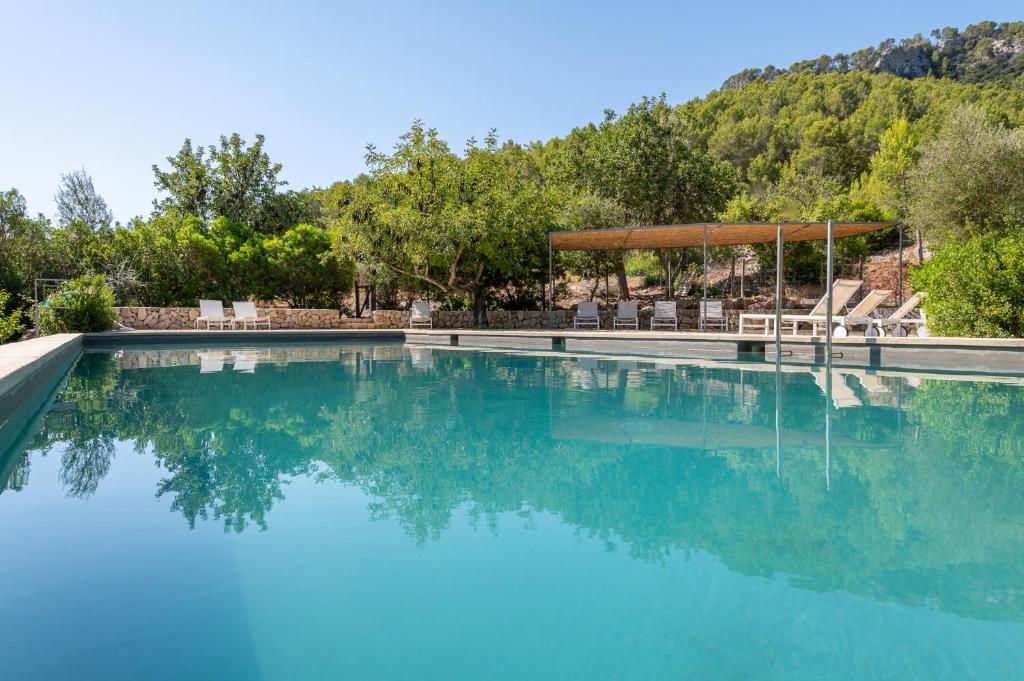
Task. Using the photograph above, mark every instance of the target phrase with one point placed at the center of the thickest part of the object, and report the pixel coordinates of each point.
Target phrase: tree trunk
(732, 277)
(620, 272)
(479, 306)
(920, 249)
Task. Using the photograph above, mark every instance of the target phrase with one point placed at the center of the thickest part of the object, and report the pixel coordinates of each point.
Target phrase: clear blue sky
(117, 87)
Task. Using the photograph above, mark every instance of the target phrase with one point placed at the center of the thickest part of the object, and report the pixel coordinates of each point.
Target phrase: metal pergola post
(551, 280)
(899, 280)
(704, 303)
(778, 295)
(828, 312)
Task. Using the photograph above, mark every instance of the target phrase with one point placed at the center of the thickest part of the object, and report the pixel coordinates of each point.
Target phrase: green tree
(304, 270)
(975, 286)
(648, 162)
(24, 247)
(12, 321)
(81, 305)
(78, 201)
(188, 183)
(244, 181)
(968, 178)
(887, 182)
(230, 179)
(460, 225)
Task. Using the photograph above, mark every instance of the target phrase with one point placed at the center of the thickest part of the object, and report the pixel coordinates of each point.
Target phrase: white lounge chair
(842, 291)
(904, 316)
(712, 315)
(246, 314)
(212, 312)
(627, 316)
(665, 315)
(586, 315)
(421, 316)
(861, 315)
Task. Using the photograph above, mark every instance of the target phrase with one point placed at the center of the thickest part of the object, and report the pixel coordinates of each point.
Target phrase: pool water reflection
(387, 511)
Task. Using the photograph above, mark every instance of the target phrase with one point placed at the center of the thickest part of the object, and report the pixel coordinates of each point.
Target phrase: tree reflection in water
(925, 474)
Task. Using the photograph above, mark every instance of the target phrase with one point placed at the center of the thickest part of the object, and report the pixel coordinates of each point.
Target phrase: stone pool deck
(27, 370)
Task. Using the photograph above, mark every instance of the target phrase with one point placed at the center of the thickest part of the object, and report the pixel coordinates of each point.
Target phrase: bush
(82, 305)
(975, 287)
(11, 323)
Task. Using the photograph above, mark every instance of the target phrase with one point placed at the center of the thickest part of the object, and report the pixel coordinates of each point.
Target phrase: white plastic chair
(420, 316)
(586, 315)
(212, 312)
(712, 316)
(246, 313)
(627, 316)
(665, 315)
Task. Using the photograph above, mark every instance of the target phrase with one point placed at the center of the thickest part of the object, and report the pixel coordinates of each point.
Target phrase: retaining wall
(160, 318)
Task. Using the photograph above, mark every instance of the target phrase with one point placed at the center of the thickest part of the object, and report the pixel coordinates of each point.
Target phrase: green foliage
(82, 305)
(969, 178)
(78, 201)
(304, 271)
(229, 179)
(969, 56)
(648, 162)
(975, 287)
(887, 181)
(12, 321)
(831, 123)
(462, 225)
(23, 245)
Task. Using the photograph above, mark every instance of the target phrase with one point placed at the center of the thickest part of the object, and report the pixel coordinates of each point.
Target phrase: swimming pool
(380, 510)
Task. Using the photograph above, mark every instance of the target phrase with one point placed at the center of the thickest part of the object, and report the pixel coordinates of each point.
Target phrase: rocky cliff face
(905, 61)
(983, 52)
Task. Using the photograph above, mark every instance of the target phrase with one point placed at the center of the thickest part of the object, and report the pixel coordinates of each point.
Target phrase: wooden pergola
(711, 234)
(721, 234)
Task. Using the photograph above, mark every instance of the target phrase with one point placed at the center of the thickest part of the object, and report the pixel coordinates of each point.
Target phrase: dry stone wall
(146, 318)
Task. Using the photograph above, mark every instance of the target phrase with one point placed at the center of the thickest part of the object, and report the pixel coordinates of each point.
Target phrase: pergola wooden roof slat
(718, 234)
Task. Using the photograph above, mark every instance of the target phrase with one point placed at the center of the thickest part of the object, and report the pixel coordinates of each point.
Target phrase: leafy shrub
(975, 287)
(85, 305)
(11, 323)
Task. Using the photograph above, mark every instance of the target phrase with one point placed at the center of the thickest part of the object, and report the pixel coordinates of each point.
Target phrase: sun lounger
(665, 315)
(627, 316)
(861, 315)
(246, 314)
(586, 315)
(904, 316)
(842, 291)
(420, 316)
(212, 312)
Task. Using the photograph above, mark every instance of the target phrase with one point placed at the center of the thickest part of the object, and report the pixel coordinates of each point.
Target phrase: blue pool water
(387, 512)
